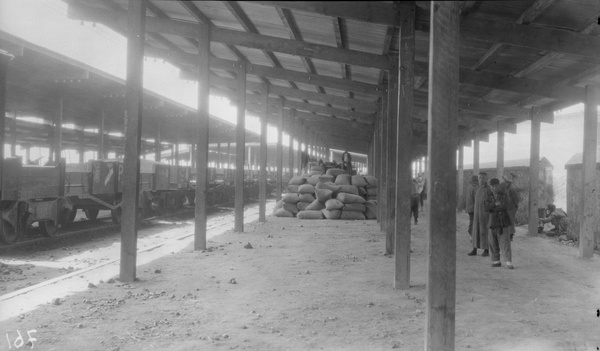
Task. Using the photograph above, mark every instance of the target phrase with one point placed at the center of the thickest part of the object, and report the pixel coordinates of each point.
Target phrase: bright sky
(45, 23)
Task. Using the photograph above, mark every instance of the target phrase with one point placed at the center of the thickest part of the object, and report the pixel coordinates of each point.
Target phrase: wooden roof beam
(233, 37)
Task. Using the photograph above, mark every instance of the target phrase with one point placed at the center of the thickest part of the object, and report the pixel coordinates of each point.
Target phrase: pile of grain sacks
(334, 195)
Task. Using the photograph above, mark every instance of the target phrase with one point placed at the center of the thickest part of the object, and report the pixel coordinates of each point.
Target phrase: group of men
(492, 209)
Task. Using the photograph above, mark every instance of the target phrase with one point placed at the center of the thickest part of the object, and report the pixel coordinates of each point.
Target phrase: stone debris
(248, 246)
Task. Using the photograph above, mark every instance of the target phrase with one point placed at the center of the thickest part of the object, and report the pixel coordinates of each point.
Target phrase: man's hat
(509, 177)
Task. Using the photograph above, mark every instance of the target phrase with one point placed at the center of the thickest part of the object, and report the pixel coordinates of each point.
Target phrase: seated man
(558, 218)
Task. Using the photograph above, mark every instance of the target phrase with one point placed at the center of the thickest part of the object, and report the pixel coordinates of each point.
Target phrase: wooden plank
(133, 121)
(372, 12)
(488, 56)
(534, 172)
(537, 37)
(533, 11)
(392, 123)
(234, 37)
(101, 132)
(58, 119)
(262, 175)
(240, 149)
(202, 127)
(500, 153)
(81, 145)
(404, 149)
(442, 140)
(383, 180)
(301, 140)
(279, 156)
(460, 177)
(157, 145)
(587, 225)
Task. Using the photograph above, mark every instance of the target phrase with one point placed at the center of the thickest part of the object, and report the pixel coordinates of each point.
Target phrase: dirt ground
(324, 285)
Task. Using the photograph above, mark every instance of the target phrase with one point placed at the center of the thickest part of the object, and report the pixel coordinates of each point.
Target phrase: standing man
(414, 200)
(422, 188)
(513, 201)
(481, 218)
(471, 190)
(499, 238)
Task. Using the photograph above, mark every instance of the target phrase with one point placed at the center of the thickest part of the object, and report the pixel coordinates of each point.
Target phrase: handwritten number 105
(19, 342)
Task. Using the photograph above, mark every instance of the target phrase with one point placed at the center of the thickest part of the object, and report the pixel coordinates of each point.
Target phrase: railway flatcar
(31, 194)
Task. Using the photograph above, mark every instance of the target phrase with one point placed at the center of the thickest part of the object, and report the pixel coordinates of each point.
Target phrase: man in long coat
(481, 218)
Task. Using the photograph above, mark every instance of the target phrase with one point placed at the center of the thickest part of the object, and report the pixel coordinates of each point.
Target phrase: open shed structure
(394, 80)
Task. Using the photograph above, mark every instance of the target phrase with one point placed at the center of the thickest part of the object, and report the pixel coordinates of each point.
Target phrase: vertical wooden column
(136, 17)
(13, 135)
(193, 157)
(101, 132)
(461, 176)
(202, 129)
(404, 141)
(534, 172)
(157, 142)
(81, 144)
(279, 177)
(441, 189)
(5, 58)
(228, 173)
(300, 140)
(383, 180)
(240, 149)
(476, 155)
(500, 152)
(262, 175)
(587, 227)
(291, 143)
(390, 226)
(58, 122)
(177, 145)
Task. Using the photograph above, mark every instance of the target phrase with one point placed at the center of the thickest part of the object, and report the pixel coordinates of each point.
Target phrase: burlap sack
(306, 189)
(292, 188)
(315, 206)
(303, 205)
(371, 209)
(352, 215)
(343, 179)
(292, 208)
(350, 198)
(323, 194)
(297, 180)
(354, 207)
(336, 171)
(313, 180)
(283, 213)
(333, 204)
(310, 215)
(359, 180)
(349, 189)
(335, 214)
(291, 198)
(371, 181)
(306, 197)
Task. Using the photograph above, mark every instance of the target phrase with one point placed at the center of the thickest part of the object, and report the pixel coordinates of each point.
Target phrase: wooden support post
(291, 144)
(461, 176)
(240, 143)
(136, 16)
(262, 175)
(390, 226)
(442, 139)
(279, 177)
(300, 140)
(157, 143)
(383, 180)
(404, 140)
(101, 132)
(476, 156)
(58, 129)
(202, 130)
(13, 135)
(5, 59)
(219, 164)
(587, 225)
(81, 133)
(193, 157)
(534, 172)
(228, 174)
(176, 146)
(500, 153)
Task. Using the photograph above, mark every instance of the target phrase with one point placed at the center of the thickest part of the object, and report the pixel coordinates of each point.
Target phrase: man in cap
(558, 218)
(513, 201)
(499, 237)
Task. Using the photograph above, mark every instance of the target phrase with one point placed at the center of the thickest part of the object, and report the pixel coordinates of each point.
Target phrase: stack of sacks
(334, 195)
(371, 187)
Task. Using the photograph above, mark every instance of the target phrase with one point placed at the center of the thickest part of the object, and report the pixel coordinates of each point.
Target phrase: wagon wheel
(49, 228)
(70, 216)
(91, 213)
(116, 215)
(8, 234)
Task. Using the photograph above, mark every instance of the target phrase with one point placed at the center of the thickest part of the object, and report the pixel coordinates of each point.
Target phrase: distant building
(575, 193)
(520, 171)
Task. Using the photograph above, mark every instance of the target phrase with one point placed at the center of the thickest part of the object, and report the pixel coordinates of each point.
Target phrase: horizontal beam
(270, 72)
(234, 37)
